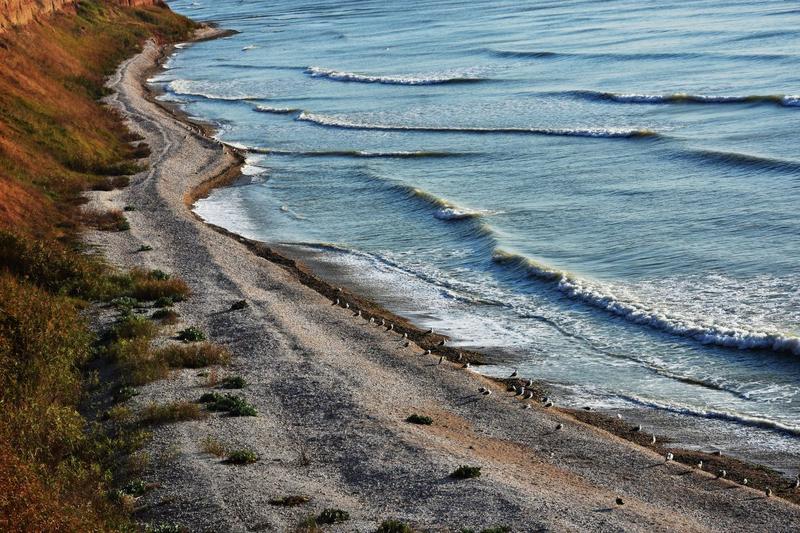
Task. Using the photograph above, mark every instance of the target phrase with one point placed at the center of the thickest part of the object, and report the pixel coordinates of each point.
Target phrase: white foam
(434, 79)
(207, 90)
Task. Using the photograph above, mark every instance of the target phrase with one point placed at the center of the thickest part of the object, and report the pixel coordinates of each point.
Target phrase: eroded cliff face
(19, 12)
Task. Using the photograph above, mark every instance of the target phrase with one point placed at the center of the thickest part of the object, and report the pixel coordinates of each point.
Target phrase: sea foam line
(784, 100)
(601, 297)
(337, 75)
(333, 122)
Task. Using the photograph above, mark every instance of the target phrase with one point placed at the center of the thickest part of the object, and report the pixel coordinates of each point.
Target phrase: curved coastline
(650, 482)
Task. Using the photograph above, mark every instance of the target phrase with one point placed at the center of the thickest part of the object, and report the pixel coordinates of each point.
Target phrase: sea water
(600, 194)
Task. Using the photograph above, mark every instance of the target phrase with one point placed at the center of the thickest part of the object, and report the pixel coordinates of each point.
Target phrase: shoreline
(507, 449)
(370, 309)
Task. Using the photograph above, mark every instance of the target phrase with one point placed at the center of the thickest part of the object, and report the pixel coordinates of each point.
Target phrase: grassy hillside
(55, 141)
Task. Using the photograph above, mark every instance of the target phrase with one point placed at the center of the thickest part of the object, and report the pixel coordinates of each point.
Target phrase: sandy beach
(332, 393)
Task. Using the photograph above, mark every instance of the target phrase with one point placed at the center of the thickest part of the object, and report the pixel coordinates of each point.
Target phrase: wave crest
(686, 98)
(601, 297)
(337, 75)
(333, 122)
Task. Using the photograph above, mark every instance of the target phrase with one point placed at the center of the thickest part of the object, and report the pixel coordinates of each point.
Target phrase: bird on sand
(797, 483)
(466, 365)
(442, 342)
(405, 335)
(528, 395)
(530, 383)
(390, 328)
(407, 344)
(559, 427)
(441, 359)
(549, 404)
(428, 332)
(638, 428)
(668, 458)
(427, 352)
(383, 322)
(745, 482)
(358, 313)
(653, 439)
(460, 356)
(336, 302)
(768, 492)
(722, 474)
(481, 389)
(347, 306)
(620, 502)
(513, 374)
(487, 392)
(700, 465)
(372, 320)
(619, 416)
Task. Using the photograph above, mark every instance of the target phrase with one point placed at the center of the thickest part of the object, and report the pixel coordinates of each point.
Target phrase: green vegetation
(166, 316)
(233, 405)
(233, 382)
(418, 419)
(144, 248)
(394, 526)
(333, 516)
(191, 334)
(466, 472)
(241, 457)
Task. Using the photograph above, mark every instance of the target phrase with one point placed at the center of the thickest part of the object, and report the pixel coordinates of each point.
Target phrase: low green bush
(419, 419)
(333, 516)
(191, 334)
(466, 472)
(242, 457)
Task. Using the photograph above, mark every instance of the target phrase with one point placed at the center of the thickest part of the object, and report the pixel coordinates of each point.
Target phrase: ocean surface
(600, 194)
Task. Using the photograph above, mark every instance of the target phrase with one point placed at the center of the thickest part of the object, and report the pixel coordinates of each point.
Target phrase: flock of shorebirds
(524, 393)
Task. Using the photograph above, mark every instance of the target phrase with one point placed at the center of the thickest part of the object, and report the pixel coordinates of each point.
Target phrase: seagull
(390, 328)
(372, 320)
(466, 365)
(653, 439)
(797, 483)
(700, 465)
(768, 492)
(638, 428)
(487, 392)
(442, 342)
(620, 502)
(549, 404)
(619, 416)
(427, 352)
(528, 395)
(530, 383)
(527, 406)
(481, 389)
(716, 452)
(559, 427)
(545, 399)
(347, 306)
(668, 458)
(513, 374)
(460, 356)
(336, 302)
(358, 313)
(383, 322)
(428, 332)
(520, 391)
(407, 344)
(745, 482)
(722, 473)
(441, 359)
(405, 335)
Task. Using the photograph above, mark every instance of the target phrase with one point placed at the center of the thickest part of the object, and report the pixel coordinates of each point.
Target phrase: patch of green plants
(191, 334)
(241, 457)
(394, 526)
(129, 208)
(233, 405)
(466, 472)
(333, 516)
(132, 326)
(125, 303)
(124, 393)
(163, 301)
(167, 316)
(144, 248)
(233, 382)
(136, 488)
(290, 501)
(419, 419)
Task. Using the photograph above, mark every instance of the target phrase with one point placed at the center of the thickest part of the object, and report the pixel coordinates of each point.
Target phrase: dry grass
(214, 447)
(196, 355)
(149, 286)
(112, 220)
(171, 412)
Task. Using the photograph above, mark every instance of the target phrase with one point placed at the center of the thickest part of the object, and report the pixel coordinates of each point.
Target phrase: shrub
(193, 355)
(112, 220)
(131, 326)
(191, 334)
(333, 516)
(394, 526)
(163, 301)
(213, 446)
(129, 208)
(418, 419)
(136, 488)
(241, 457)
(234, 405)
(171, 412)
(233, 382)
(149, 286)
(166, 316)
(289, 501)
(144, 248)
(466, 472)
(125, 303)
(120, 182)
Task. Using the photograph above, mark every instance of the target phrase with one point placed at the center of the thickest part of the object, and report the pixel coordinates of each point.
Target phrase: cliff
(19, 12)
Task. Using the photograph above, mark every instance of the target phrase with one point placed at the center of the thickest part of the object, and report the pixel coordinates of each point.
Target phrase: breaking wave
(437, 79)
(685, 98)
(333, 122)
(356, 153)
(190, 88)
(601, 297)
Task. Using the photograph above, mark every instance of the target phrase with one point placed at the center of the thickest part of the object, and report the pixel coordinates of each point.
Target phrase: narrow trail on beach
(332, 393)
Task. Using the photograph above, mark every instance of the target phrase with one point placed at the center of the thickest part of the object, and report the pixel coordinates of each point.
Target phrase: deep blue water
(602, 193)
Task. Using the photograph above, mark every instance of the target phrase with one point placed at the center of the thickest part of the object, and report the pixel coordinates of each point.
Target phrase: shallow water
(601, 194)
